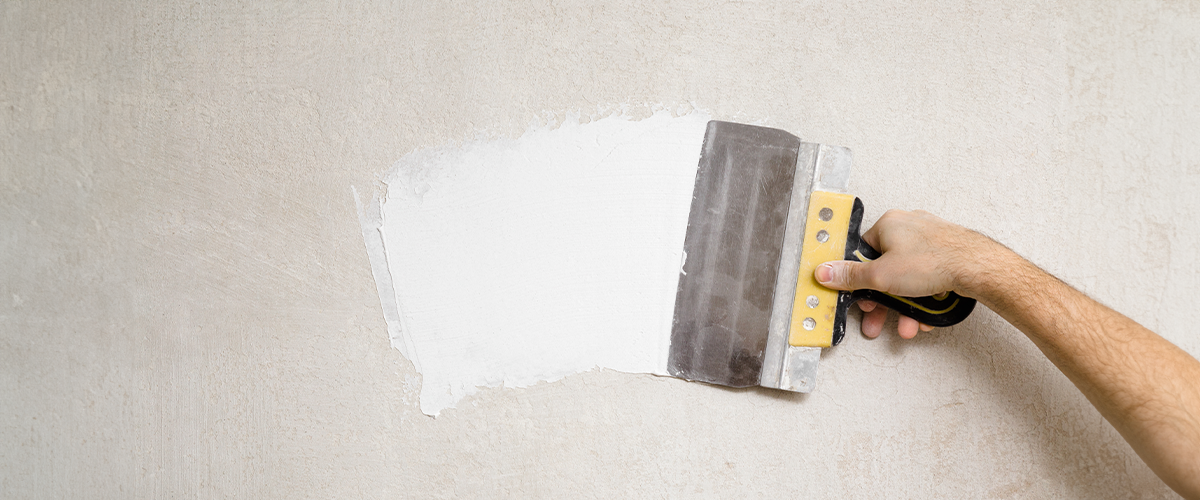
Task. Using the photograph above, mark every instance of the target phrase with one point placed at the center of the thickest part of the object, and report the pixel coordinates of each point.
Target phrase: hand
(922, 255)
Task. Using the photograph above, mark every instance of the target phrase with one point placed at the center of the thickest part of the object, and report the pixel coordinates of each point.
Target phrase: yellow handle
(815, 307)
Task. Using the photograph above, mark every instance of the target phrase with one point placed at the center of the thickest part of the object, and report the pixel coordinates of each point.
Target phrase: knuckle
(845, 277)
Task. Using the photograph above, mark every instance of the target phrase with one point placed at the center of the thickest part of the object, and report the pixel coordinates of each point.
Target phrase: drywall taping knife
(768, 208)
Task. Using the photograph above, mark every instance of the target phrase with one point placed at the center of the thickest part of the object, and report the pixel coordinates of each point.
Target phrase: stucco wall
(187, 309)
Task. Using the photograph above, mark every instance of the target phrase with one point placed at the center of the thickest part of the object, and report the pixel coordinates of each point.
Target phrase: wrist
(983, 266)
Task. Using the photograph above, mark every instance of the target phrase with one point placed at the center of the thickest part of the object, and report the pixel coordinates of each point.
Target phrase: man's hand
(922, 255)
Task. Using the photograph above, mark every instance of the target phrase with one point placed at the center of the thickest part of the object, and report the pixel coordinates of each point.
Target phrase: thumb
(841, 275)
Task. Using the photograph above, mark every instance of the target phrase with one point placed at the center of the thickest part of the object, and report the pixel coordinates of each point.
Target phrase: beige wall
(186, 306)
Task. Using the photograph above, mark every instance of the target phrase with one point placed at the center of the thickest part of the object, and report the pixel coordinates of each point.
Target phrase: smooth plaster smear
(509, 262)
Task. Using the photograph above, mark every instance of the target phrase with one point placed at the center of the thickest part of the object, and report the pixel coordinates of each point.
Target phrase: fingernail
(825, 273)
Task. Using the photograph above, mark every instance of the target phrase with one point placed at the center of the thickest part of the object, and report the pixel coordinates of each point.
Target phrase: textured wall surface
(186, 306)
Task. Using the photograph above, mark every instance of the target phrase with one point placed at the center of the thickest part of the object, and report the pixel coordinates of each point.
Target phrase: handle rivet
(809, 323)
(822, 236)
(812, 301)
(825, 214)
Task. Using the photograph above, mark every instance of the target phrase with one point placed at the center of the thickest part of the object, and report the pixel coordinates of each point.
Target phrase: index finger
(871, 236)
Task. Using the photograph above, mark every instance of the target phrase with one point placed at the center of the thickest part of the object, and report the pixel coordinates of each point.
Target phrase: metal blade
(732, 251)
(794, 368)
(778, 369)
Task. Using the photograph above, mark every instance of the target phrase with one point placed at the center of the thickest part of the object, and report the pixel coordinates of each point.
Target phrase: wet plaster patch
(509, 262)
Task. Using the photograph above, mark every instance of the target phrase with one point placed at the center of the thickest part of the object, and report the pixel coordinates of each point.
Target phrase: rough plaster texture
(186, 307)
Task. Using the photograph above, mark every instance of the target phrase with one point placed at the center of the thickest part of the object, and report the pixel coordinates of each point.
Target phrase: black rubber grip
(943, 310)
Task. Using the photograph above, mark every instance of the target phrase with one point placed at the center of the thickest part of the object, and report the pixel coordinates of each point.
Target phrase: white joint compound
(509, 262)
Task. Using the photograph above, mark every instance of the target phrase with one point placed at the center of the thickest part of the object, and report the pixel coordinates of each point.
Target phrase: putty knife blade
(736, 227)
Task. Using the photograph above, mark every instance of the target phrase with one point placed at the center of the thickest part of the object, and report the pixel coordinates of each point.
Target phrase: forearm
(1146, 387)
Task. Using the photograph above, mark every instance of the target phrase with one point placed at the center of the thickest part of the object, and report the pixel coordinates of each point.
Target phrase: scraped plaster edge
(370, 219)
